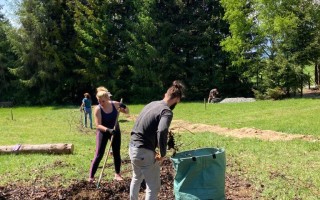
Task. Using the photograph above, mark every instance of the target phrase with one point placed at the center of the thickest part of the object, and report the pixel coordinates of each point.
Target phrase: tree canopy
(136, 48)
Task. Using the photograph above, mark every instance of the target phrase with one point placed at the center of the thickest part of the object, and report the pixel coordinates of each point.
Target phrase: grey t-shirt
(151, 128)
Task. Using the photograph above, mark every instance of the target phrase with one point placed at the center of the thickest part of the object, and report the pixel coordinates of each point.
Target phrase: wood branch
(59, 148)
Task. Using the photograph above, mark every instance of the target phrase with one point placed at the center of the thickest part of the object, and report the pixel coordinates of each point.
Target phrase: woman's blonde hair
(101, 88)
(102, 92)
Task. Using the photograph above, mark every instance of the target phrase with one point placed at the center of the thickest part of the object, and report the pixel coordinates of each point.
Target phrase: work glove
(122, 106)
(110, 131)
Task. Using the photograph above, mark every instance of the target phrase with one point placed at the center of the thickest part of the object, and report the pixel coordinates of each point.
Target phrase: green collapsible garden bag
(200, 174)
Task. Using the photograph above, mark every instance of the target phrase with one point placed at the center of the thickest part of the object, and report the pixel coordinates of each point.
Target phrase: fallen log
(59, 148)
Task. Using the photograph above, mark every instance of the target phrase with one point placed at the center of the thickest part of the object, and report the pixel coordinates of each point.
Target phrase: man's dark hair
(176, 90)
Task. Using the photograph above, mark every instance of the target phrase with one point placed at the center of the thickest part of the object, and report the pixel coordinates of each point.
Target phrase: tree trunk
(317, 74)
(301, 90)
(42, 148)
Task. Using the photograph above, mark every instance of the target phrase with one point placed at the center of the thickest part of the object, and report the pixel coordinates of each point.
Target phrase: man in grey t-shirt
(149, 133)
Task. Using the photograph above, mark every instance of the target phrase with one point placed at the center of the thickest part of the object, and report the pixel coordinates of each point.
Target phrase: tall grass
(280, 169)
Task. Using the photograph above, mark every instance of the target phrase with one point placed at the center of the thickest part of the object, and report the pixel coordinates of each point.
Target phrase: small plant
(259, 95)
(275, 93)
(271, 93)
(174, 142)
(75, 121)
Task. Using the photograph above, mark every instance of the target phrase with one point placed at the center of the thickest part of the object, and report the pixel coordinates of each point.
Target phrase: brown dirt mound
(180, 125)
(184, 126)
(236, 188)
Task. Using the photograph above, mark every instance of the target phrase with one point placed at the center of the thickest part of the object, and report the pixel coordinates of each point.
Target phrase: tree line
(63, 48)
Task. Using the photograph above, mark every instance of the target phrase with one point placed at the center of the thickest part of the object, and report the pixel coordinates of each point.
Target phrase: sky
(8, 8)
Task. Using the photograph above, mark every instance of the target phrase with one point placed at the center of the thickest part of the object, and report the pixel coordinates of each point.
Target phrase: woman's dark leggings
(101, 143)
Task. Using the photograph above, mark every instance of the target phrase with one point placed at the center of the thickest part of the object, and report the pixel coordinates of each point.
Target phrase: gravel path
(237, 100)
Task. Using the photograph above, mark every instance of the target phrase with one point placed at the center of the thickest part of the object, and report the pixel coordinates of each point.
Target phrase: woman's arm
(123, 108)
(81, 106)
(97, 119)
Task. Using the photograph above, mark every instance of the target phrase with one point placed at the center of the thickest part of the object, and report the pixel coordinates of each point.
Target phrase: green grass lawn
(280, 169)
(295, 116)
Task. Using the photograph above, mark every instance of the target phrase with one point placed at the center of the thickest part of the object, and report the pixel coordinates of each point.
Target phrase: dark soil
(236, 188)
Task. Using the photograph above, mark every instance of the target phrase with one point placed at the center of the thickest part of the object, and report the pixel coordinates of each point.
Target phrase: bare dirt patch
(311, 93)
(236, 188)
(183, 126)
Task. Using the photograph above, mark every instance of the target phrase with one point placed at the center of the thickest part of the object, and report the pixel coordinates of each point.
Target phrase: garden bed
(236, 188)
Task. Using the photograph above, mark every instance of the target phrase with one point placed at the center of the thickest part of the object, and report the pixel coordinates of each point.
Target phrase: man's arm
(162, 133)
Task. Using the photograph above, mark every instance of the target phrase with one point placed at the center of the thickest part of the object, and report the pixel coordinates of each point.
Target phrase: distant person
(105, 119)
(213, 95)
(150, 131)
(86, 108)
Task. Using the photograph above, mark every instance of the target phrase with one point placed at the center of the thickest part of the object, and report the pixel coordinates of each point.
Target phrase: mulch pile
(236, 188)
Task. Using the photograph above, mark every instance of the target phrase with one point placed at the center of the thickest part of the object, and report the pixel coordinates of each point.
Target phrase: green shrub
(259, 95)
(275, 93)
